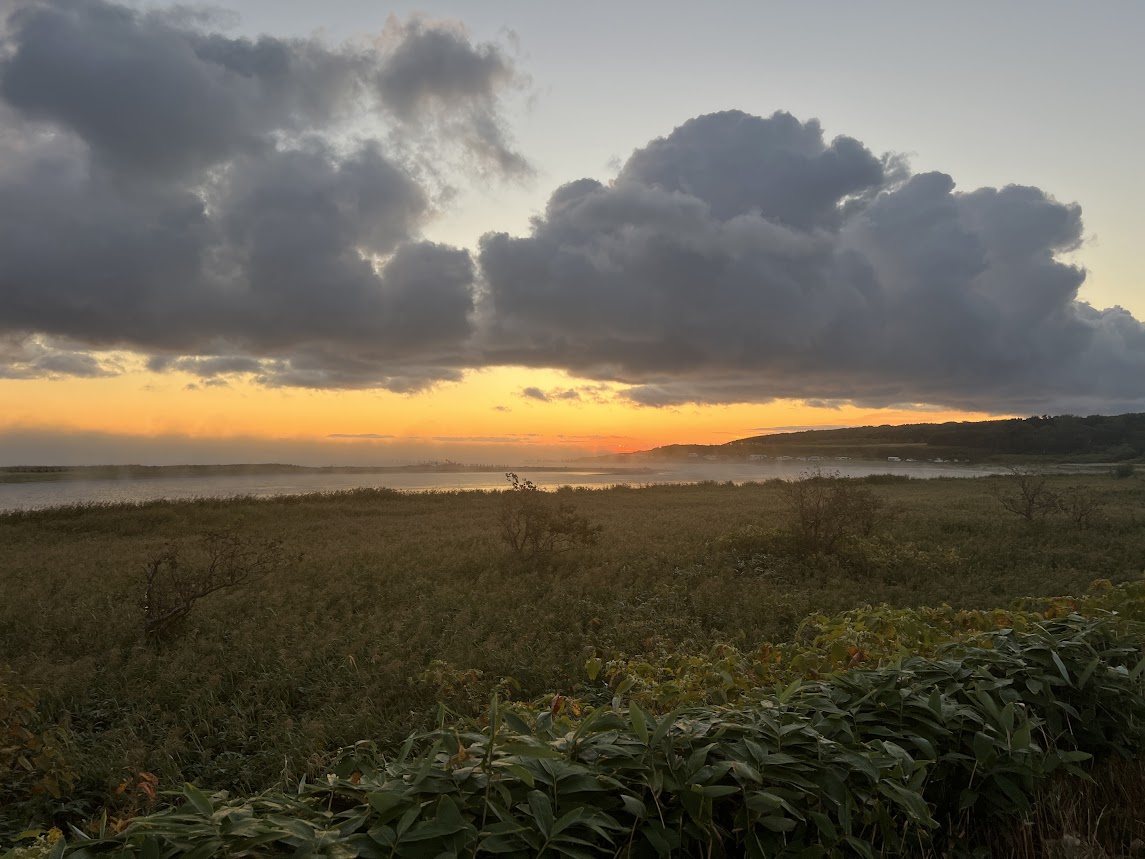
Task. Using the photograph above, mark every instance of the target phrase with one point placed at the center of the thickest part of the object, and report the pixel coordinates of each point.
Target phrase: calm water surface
(26, 496)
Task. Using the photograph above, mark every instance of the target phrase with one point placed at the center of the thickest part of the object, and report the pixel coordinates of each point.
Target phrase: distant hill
(1097, 438)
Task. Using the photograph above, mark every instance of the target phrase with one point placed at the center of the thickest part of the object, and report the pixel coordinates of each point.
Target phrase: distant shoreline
(47, 473)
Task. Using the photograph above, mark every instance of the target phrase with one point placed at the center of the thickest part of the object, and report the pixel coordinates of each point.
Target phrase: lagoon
(134, 490)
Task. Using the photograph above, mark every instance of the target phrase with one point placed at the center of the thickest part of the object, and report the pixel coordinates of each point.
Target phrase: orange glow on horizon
(487, 407)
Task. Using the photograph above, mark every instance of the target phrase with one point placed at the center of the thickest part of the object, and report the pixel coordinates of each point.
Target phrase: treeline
(1061, 434)
(1110, 438)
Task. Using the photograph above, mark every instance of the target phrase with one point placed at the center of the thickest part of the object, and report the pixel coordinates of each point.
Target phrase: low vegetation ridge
(1097, 438)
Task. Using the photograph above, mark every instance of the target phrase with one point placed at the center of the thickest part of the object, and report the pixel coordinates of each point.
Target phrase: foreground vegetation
(888, 760)
(404, 603)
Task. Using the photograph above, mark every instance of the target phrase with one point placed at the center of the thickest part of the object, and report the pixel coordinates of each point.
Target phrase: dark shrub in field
(826, 510)
(534, 523)
(172, 583)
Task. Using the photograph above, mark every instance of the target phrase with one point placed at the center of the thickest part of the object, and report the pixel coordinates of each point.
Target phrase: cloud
(359, 435)
(204, 368)
(595, 393)
(155, 93)
(746, 259)
(576, 438)
(32, 357)
(442, 86)
(779, 167)
(516, 438)
(798, 428)
(256, 208)
(45, 445)
(220, 204)
(99, 68)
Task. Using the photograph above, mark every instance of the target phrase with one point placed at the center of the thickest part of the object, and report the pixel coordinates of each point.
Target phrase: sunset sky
(351, 232)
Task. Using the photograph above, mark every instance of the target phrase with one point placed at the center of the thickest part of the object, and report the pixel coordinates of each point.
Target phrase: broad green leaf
(542, 812)
(198, 800)
(639, 723)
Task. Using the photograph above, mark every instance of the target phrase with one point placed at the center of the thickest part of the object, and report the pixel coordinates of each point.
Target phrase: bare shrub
(227, 560)
(535, 523)
(826, 509)
(1083, 507)
(1026, 493)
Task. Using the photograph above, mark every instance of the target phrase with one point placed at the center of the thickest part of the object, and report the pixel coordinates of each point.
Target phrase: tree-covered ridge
(1096, 437)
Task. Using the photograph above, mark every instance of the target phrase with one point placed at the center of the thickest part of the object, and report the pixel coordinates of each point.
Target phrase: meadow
(393, 605)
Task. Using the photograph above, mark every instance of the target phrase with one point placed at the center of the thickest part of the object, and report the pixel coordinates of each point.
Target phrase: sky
(352, 232)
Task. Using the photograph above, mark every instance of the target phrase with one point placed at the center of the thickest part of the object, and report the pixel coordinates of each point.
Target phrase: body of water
(26, 496)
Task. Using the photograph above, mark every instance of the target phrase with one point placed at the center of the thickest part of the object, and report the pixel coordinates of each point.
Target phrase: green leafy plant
(874, 761)
(34, 765)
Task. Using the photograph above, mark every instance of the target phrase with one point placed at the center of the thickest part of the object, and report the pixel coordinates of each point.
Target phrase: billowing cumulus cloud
(211, 201)
(742, 259)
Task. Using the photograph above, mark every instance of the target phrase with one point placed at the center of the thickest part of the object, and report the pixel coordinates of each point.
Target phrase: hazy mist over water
(28, 496)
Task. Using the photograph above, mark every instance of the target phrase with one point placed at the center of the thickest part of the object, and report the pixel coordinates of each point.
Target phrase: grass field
(400, 602)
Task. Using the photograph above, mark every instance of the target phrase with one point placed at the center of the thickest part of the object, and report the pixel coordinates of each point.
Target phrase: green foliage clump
(40, 845)
(34, 756)
(881, 761)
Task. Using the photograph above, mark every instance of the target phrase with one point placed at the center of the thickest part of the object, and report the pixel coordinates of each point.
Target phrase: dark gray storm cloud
(168, 189)
(32, 357)
(743, 258)
(780, 168)
(435, 80)
(150, 94)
